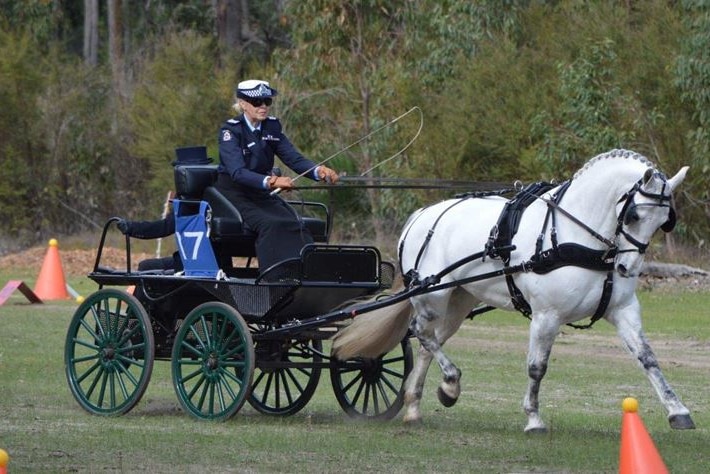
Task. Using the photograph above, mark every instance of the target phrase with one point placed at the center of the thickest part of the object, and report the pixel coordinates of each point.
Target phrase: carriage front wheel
(109, 352)
(213, 362)
(372, 388)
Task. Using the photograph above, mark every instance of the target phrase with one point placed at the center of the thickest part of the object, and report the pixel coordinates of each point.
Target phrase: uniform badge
(226, 136)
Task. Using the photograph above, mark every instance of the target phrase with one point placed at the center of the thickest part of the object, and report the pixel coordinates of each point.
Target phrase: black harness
(560, 255)
(499, 244)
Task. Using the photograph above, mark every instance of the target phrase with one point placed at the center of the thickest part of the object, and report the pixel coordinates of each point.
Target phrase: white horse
(592, 232)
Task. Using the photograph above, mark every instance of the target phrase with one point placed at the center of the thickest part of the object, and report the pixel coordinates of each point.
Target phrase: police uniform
(246, 160)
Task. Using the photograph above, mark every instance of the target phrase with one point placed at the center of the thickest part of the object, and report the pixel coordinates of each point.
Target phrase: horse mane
(616, 153)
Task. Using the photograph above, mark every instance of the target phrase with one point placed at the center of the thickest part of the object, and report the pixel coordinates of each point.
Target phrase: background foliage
(508, 90)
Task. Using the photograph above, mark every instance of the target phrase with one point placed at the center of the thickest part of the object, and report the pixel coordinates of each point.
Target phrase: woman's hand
(280, 182)
(328, 175)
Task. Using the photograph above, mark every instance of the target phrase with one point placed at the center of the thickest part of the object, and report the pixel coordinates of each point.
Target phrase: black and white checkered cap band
(261, 91)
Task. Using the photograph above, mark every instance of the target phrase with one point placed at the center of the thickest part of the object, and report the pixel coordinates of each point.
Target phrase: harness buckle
(490, 247)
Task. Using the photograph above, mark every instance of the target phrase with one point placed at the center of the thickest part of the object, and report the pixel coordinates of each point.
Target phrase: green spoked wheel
(109, 352)
(286, 375)
(372, 388)
(213, 362)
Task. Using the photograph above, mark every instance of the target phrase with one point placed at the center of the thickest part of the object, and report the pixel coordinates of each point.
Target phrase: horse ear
(648, 175)
(678, 178)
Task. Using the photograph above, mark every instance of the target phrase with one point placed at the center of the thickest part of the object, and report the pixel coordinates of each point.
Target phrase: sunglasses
(260, 102)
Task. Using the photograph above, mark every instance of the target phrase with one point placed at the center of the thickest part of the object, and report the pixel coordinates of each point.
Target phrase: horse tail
(373, 333)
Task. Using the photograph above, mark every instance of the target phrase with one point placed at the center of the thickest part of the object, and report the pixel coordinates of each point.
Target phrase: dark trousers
(164, 263)
(280, 231)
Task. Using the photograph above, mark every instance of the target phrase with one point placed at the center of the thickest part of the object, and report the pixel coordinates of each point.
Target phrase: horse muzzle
(624, 272)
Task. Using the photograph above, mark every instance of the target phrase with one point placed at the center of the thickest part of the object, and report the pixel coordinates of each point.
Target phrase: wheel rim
(213, 362)
(109, 352)
(372, 388)
(285, 378)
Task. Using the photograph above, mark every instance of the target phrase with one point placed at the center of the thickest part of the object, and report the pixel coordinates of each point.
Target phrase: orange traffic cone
(51, 284)
(4, 459)
(638, 452)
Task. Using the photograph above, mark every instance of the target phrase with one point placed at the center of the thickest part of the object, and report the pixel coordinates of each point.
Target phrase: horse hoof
(536, 431)
(681, 422)
(444, 399)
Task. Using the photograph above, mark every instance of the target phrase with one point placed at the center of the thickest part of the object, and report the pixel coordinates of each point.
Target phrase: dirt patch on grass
(74, 262)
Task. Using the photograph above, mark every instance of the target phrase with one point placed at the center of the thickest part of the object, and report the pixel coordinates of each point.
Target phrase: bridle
(628, 212)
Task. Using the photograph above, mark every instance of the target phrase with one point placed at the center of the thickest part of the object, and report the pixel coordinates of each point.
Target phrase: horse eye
(631, 216)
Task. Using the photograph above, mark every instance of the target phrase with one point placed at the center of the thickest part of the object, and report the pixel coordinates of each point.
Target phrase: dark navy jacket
(248, 159)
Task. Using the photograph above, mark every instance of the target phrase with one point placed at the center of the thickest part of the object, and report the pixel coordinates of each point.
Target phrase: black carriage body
(235, 335)
(325, 277)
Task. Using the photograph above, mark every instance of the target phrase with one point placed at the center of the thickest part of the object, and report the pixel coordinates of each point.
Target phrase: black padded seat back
(192, 180)
(227, 229)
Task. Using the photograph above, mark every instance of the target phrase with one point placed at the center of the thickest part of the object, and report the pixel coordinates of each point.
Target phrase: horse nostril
(622, 269)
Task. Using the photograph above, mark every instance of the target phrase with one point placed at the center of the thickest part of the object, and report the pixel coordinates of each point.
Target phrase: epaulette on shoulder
(233, 121)
(271, 117)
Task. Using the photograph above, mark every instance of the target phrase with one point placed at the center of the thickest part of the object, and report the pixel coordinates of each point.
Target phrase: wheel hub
(272, 351)
(211, 366)
(107, 355)
(371, 370)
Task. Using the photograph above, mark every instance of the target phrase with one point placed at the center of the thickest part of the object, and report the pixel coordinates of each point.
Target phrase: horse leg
(543, 332)
(415, 386)
(628, 326)
(436, 319)
(448, 391)
(450, 387)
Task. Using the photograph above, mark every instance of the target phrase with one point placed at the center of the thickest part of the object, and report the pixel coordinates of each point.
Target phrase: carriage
(234, 335)
(231, 334)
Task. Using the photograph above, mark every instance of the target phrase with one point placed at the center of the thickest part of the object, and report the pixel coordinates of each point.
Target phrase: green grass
(43, 428)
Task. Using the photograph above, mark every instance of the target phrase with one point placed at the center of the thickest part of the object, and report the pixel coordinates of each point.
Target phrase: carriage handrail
(110, 221)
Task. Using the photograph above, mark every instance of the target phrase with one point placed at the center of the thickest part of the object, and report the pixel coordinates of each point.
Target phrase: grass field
(44, 430)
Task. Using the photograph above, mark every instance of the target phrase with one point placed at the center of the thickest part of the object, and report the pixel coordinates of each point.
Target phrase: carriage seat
(227, 228)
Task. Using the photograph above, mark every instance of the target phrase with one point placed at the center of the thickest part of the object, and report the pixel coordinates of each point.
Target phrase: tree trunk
(229, 23)
(91, 32)
(115, 43)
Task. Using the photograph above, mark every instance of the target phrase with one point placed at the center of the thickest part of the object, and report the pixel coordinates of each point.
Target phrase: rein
(551, 203)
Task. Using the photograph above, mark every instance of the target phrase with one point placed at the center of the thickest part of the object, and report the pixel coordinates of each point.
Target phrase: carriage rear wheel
(372, 388)
(286, 375)
(109, 352)
(213, 362)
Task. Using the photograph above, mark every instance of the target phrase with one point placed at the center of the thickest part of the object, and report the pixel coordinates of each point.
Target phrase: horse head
(641, 211)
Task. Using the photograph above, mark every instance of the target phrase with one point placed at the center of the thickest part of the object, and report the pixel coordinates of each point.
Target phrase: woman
(247, 146)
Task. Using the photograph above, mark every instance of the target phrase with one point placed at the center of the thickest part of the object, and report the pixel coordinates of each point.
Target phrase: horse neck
(593, 195)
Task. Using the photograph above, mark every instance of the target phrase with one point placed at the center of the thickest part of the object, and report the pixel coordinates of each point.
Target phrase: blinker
(669, 225)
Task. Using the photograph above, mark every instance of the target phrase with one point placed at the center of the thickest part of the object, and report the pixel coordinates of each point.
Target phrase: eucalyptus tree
(693, 80)
(341, 78)
(356, 65)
